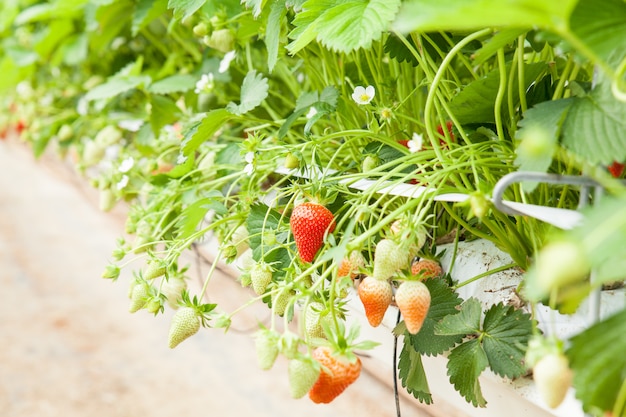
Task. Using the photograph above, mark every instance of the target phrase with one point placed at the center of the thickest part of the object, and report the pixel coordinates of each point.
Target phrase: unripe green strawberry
(302, 376)
(240, 239)
(65, 132)
(155, 269)
(111, 271)
(559, 264)
(222, 39)
(201, 29)
(173, 288)
(138, 297)
(553, 378)
(479, 204)
(261, 276)
(280, 300)
(291, 161)
(266, 343)
(107, 200)
(389, 258)
(92, 153)
(313, 321)
(185, 323)
(108, 136)
(370, 163)
(154, 305)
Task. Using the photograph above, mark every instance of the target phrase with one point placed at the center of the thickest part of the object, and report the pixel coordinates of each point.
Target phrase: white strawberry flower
(225, 62)
(126, 164)
(363, 95)
(122, 183)
(249, 168)
(205, 84)
(416, 143)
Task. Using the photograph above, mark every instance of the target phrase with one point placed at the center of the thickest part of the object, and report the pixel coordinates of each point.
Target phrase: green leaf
(50, 10)
(263, 219)
(254, 90)
(204, 131)
(178, 83)
(412, 375)
(324, 102)
(278, 11)
(539, 132)
(594, 127)
(475, 103)
(57, 31)
(399, 51)
(116, 86)
(456, 15)
(501, 39)
(506, 334)
(145, 12)
(601, 26)
(193, 214)
(597, 358)
(75, 49)
(255, 5)
(163, 111)
(467, 321)
(465, 364)
(444, 303)
(342, 25)
(184, 8)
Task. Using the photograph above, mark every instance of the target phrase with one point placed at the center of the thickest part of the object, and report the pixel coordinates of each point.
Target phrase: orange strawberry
(351, 264)
(426, 268)
(336, 375)
(413, 300)
(309, 223)
(376, 295)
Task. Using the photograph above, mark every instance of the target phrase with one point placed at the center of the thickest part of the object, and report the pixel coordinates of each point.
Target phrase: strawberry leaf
(444, 302)
(506, 333)
(594, 126)
(465, 364)
(262, 221)
(163, 111)
(178, 83)
(342, 25)
(184, 8)
(599, 364)
(193, 214)
(439, 15)
(254, 90)
(467, 321)
(412, 374)
(278, 11)
(539, 131)
(324, 102)
(474, 104)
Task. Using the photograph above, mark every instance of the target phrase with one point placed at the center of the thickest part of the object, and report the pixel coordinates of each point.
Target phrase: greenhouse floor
(70, 348)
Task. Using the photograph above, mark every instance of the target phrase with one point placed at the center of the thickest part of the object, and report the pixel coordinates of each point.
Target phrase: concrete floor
(68, 346)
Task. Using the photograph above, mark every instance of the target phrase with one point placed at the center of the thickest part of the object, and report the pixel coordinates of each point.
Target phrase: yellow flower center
(365, 97)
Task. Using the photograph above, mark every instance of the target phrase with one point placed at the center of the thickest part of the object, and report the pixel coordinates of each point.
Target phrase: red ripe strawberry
(426, 268)
(309, 223)
(616, 169)
(376, 295)
(341, 373)
(389, 258)
(442, 136)
(553, 378)
(413, 300)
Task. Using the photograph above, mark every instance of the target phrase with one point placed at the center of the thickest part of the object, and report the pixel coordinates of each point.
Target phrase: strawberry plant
(323, 145)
